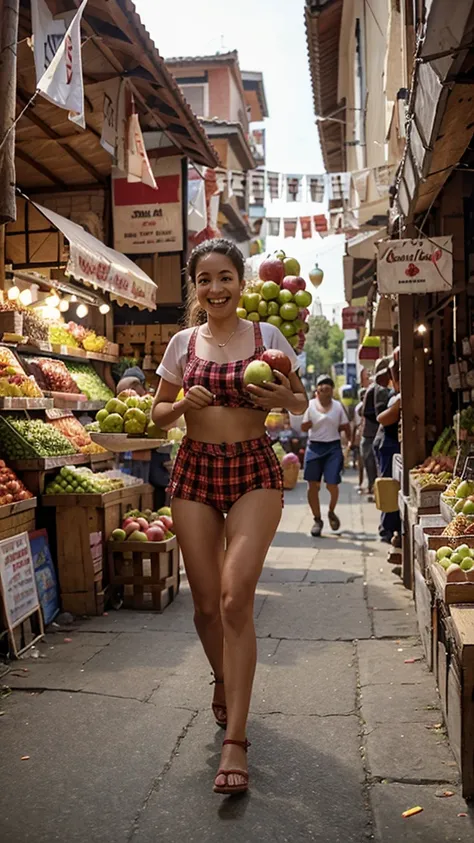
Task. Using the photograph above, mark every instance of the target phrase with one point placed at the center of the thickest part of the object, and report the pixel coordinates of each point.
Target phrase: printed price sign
(17, 577)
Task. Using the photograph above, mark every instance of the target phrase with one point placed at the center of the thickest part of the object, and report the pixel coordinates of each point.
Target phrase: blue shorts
(323, 459)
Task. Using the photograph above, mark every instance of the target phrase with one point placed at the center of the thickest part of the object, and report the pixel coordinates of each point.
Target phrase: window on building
(293, 188)
(197, 96)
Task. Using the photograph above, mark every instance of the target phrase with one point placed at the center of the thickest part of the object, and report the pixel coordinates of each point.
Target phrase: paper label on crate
(56, 413)
(17, 578)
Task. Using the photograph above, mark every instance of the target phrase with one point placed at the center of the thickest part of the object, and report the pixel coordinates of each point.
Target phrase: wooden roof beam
(40, 168)
(51, 133)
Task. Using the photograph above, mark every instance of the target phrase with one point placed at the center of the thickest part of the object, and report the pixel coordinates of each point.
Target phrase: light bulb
(63, 305)
(104, 308)
(52, 300)
(82, 311)
(51, 313)
(13, 293)
(26, 297)
(422, 329)
(74, 298)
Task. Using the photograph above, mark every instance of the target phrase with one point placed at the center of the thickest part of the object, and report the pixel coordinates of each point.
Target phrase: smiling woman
(225, 468)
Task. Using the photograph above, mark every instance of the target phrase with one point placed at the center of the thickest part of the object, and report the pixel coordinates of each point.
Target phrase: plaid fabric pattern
(224, 380)
(220, 474)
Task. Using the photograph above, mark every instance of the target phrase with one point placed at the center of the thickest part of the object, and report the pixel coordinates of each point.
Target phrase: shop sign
(17, 579)
(353, 318)
(148, 221)
(415, 266)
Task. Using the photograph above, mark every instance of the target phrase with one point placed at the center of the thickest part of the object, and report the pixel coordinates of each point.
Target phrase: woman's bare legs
(250, 527)
(200, 531)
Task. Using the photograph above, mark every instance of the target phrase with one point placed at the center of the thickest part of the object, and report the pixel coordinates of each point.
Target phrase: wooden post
(409, 444)
(9, 12)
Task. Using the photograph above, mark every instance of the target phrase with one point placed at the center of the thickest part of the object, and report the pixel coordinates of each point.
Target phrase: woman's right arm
(166, 410)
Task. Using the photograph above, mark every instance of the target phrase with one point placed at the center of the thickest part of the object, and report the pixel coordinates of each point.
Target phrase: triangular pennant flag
(306, 229)
(48, 33)
(62, 82)
(138, 165)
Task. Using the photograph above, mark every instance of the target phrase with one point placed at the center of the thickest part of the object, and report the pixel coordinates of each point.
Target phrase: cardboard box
(168, 331)
(152, 338)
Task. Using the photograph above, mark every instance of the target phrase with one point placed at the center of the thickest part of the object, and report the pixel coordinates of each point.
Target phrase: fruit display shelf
(450, 592)
(9, 509)
(26, 403)
(66, 352)
(119, 443)
(64, 401)
(49, 463)
(93, 499)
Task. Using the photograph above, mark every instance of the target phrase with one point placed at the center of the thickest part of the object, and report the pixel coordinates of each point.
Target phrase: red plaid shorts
(219, 474)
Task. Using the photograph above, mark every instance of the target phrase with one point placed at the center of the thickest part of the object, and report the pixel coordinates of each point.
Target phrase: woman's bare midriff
(225, 424)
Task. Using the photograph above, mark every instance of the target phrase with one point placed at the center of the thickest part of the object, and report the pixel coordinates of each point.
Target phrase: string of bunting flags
(317, 188)
(332, 222)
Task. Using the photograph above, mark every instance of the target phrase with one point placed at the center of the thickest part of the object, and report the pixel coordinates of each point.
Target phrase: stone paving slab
(382, 662)
(321, 612)
(92, 762)
(395, 623)
(307, 677)
(409, 752)
(438, 823)
(297, 765)
(401, 703)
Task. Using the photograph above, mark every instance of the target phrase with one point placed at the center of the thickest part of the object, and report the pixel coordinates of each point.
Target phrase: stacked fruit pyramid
(279, 297)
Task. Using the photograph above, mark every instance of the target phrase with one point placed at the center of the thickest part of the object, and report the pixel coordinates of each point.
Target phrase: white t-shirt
(325, 425)
(172, 366)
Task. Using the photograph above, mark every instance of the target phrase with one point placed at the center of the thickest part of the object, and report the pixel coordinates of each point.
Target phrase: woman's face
(218, 286)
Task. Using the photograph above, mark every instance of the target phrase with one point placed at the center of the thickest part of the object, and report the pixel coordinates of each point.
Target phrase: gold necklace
(221, 344)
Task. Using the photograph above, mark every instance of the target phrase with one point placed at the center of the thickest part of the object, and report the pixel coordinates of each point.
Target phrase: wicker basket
(290, 475)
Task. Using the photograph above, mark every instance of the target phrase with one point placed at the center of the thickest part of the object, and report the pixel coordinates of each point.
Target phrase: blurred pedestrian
(325, 420)
(386, 445)
(356, 437)
(375, 402)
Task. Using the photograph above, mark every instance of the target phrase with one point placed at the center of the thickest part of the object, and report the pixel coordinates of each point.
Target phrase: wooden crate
(450, 592)
(460, 693)
(424, 498)
(424, 599)
(23, 521)
(11, 322)
(148, 572)
(77, 517)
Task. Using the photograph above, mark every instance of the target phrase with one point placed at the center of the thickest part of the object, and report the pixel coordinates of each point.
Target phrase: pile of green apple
(458, 562)
(464, 497)
(128, 413)
(280, 298)
(82, 481)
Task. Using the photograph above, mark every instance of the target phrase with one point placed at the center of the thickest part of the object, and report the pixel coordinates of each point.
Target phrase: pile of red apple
(12, 489)
(142, 530)
(280, 297)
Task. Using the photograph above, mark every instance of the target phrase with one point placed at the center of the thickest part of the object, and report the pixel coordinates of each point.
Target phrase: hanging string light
(104, 308)
(64, 305)
(13, 293)
(82, 311)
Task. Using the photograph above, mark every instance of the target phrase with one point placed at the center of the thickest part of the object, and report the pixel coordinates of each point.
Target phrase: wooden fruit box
(446, 510)
(450, 592)
(425, 498)
(17, 518)
(11, 322)
(148, 572)
(68, 350)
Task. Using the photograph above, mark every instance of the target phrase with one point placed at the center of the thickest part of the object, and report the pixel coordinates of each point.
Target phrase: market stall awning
(359, 274)
(441, 108)
(363, 245)
(94, 263)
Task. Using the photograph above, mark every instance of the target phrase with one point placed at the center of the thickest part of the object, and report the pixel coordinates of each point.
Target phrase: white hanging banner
(415, 266)
(62, 82)
(138, 165)
(47, 35)
(108, 138)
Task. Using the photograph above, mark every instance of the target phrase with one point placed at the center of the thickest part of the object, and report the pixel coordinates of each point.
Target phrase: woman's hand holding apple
(270, 395)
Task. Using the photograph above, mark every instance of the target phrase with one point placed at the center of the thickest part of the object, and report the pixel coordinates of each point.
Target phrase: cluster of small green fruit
(128, 413)
(29, 438)
(463, 498)
(89, 382)
(458, 562)
(82, 481)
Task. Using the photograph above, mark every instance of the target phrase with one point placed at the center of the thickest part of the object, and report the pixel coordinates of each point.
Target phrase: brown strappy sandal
(228, 789)
(218, 708)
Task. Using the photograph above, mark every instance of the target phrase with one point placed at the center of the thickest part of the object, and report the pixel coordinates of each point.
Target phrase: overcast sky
(270, 37)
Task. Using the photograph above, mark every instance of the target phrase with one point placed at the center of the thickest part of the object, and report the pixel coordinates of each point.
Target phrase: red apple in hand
(293, 283)
(277, 360)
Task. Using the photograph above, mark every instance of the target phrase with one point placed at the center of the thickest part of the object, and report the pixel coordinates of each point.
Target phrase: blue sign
(45, 574)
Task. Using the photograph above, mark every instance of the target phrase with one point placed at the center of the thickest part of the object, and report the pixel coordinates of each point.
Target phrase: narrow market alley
(109, 735)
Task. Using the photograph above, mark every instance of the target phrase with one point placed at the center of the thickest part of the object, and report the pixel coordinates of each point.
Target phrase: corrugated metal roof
(323, 24)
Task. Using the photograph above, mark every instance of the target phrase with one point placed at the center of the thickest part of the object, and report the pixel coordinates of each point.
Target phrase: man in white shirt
(325, 420)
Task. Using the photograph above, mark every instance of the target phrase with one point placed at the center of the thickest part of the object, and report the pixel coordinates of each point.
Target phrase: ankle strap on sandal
(243, 744)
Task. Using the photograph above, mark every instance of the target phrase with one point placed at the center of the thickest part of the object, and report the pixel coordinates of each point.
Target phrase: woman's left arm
(286, 392)
(391, 415)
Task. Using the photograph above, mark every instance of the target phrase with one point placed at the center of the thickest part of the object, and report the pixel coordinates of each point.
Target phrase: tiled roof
(215, 58)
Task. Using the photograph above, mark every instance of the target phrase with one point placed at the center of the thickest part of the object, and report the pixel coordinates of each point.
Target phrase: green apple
(289, 312)
(294, 340)
(263, 308)
(253, 317)
(445, 562)
(303, 298)
(292, 266)
(288, 329)
(258, 286)
(251, 302)
(463, 550)
(463, 490)
(270, 290)
(241, 313)
(459, 505)
(101, 415)
(443, 551)
(467, 563)
(468, 508)
(258, 372)
(285, 296)
(456, 559)
(277, 321)
(273, 308)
